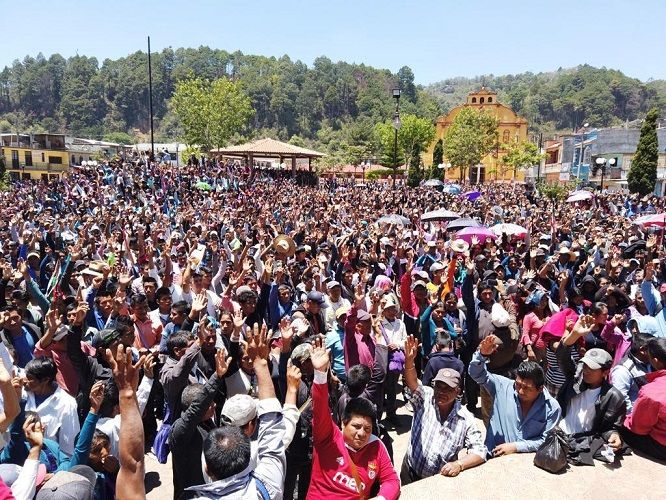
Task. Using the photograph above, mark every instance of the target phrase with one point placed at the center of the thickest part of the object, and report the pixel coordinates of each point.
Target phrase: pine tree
(642, 175)
(437, 159)
(414, 175)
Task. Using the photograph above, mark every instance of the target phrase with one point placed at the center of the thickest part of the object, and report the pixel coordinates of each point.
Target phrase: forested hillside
(87, 98)
(323, 104)
(563, 99)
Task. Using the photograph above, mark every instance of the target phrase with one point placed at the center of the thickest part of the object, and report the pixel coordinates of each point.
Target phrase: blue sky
(436, 38)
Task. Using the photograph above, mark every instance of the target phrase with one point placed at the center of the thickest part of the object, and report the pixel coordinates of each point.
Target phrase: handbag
(552, 454)
(396, 359)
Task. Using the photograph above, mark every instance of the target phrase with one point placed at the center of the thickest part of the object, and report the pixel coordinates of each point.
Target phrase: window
(482, 100)
(55, 160)
(490, 99)
(43, 160)
(80, 160)
(28, 158)
(473, 100)
(506, 136)
(15, 159)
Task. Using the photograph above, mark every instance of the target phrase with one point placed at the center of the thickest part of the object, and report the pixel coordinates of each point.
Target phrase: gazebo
(269, 148)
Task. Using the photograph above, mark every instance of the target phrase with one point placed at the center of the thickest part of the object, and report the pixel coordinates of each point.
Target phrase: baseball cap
(318, 297)
(437, 266)
(597, 359)
(362, 315)
(332, 284)
(239, 410)
(419, 283)
(104, 338)
(76, 484)
(341, 311)
(301, 352)
(421, 274)
(449, 376)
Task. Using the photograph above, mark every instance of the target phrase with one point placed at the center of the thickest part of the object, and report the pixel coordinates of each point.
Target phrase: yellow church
(511, 128)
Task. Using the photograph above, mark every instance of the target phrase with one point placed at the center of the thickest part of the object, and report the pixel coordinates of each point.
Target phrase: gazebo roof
(268, 148)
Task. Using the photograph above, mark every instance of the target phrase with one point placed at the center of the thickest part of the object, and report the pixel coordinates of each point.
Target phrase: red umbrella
(652, 220)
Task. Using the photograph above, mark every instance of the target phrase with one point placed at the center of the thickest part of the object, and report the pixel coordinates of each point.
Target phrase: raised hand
(199, 303)
(584, 325)
(239, 320)
(257, 342)
(411, 350)
(469, 265)
(149, 367)
(488, 346)
(34, 432)
(293, 377)
(222, 362)
(286, 330)
(320, 359)
(96, 396)
(475, 241)
(125, 373)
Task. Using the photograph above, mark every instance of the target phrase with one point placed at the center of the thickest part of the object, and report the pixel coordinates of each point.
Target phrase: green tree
(520, 155)
(415, 173)
(642, 175)
(437, 159)
(472, 135)
(210, 112)
(414, 131)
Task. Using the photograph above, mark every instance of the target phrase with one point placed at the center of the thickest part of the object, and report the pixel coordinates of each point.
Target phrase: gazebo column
(293, 166)
(309, 164)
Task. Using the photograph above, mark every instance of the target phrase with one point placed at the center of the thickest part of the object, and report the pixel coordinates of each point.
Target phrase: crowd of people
(260, 334)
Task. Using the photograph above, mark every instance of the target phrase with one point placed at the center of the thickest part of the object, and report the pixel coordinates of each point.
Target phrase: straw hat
(284, 245)
(459, 246)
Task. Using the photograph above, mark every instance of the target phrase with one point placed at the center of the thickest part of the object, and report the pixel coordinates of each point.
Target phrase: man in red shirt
(348, 462)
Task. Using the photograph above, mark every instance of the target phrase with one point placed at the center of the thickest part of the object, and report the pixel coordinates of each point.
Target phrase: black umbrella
(463, 223)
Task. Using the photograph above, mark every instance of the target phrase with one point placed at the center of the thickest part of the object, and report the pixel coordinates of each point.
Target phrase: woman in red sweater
(346, 463)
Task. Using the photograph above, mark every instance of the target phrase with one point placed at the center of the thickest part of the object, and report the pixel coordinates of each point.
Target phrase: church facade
(511, 128)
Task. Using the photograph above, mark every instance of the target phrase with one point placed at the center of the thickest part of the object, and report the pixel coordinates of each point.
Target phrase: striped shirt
(434, 441)
(554, 375)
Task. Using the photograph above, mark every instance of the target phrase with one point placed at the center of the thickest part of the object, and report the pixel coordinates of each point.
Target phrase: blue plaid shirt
(434, 441)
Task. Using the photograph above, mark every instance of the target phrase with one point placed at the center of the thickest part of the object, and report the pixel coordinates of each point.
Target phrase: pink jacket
(649, 414)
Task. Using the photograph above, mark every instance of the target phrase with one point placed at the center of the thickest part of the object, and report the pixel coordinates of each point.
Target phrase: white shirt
(332, 307)
(111, 426)
(580, 415)
(59, 416)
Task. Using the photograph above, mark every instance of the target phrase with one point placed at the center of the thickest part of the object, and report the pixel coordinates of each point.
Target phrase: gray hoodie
(269, 466)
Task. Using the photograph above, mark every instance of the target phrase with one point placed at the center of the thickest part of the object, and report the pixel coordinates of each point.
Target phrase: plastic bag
(552, 454)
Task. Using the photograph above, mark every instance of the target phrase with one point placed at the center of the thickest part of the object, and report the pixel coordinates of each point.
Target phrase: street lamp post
(396, 127)
(602, 164)
(582, 152)
(444, 167)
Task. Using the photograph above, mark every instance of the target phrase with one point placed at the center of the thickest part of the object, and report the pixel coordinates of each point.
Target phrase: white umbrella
(510, 229)
(580, 196)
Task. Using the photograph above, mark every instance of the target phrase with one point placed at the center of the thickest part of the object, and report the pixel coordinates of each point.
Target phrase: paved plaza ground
(509, 477)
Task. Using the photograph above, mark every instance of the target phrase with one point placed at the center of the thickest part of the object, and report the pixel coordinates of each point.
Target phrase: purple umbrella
(481, 233)
(472, 195)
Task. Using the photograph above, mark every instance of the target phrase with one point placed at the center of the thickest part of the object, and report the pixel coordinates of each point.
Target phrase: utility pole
(150, 97)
